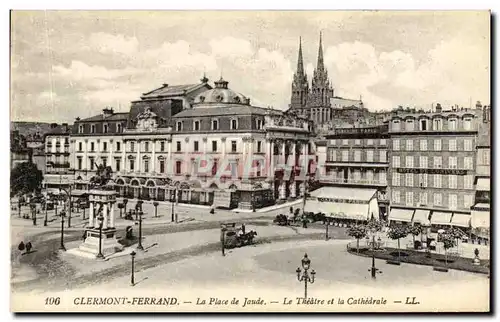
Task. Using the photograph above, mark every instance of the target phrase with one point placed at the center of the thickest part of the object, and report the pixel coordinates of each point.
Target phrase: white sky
(67, 64)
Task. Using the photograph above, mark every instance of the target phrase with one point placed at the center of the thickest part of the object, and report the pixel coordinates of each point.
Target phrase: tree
(357, 232)
(448, 242)
(155, 204)
(25, 178)
(456, 234)
(397, 232)
(415, 230)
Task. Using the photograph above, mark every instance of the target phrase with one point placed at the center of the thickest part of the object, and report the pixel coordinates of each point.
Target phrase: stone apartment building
(432, 166)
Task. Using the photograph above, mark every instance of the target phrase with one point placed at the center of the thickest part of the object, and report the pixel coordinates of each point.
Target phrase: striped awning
(398, 214)
(460, 220)
(483, 184)
(441, 218)
(421, 216)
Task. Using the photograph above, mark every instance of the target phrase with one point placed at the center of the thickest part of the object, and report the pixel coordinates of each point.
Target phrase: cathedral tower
(300, 85)
(321, 89)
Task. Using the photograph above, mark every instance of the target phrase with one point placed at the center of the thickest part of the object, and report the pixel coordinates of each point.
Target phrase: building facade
(57, 151)
(432, 166)
(481, 210)
(357, 158)
(213, 148)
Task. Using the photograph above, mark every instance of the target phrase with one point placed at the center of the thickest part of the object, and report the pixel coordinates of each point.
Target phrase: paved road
(54, 273)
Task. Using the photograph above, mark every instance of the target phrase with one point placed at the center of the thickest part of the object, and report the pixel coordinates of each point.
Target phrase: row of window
(58, 143)
(467, 164)
(438, 124)
(215, 125)
(382, 142)
(437, 145)
(421, 180)
(437, 199)
(105, 128)
(214, 146)
(146, 165)
(357, 156)
(358, 175)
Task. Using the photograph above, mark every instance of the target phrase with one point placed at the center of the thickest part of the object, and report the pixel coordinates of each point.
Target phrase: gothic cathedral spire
(300, 60)
(321, 65)
(300, 85)
(321, 89)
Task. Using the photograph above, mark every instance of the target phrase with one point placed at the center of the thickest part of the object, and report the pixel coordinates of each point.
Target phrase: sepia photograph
(250, 161)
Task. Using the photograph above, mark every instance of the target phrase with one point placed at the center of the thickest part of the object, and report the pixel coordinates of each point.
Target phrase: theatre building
(432, 166)
(357, 160)
(217, 150)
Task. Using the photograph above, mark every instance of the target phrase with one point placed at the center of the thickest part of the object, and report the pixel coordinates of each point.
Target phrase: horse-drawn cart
(236, 236)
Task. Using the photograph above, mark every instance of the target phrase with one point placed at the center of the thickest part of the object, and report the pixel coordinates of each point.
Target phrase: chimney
(439, 109)
(65, 127)
(165, 85)
(77, 119)
(53, 125)
(107, 112)
(479, 105)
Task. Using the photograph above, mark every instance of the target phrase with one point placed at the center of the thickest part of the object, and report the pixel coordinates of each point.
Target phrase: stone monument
(100, 236)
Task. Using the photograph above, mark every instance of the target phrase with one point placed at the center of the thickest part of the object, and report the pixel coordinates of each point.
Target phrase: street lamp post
(373, 269)
(61, 247)
(222, 239)
(100, 219)
(326, 233)
(132, 282)
(305, 277)
(173, 202)
(139, 247)
(46, 215)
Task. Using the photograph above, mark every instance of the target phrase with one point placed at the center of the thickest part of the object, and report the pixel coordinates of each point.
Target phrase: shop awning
(341, 193)
(460, 220)
(421, 216)
(483, 184)
(398, 214)
(441, 218)
(480, 218)
(338, 210)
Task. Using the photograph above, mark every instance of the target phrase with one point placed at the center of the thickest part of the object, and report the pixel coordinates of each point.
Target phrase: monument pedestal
(109, 243)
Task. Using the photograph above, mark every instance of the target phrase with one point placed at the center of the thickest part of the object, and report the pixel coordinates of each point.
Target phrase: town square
(242, 169)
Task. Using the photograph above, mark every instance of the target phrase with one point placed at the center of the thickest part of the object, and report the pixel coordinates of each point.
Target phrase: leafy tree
(25, 178)
(374, 225)
(448, 242)
(357, 232)
(397, 232)
(155, 204)
(455, 233)
(415, 230)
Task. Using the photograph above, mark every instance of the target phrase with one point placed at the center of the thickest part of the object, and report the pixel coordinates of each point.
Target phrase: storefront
(421, 217)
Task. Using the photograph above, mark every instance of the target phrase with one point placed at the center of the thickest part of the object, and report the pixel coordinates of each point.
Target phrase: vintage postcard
(250, 161)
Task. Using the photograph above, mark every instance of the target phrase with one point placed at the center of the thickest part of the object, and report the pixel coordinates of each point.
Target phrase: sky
(68, 64)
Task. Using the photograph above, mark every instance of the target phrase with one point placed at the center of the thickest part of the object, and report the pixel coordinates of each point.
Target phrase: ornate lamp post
(132, 282)
(139, 247)
(100, 219)
(61, 247)
(305, 277)
(326, 233)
